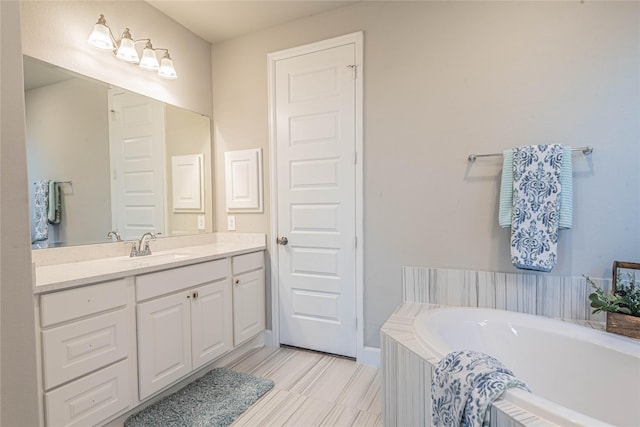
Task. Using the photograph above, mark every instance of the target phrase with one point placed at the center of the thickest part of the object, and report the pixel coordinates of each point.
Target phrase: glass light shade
(100, 38)
(149, 60)
(166, 70)
(127, 51)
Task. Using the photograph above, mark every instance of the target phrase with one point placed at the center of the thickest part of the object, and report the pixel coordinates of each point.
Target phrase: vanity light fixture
(102, 38)
(149, 60)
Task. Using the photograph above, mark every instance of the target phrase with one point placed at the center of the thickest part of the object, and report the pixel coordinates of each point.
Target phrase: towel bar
(585, 150)
(61, 182)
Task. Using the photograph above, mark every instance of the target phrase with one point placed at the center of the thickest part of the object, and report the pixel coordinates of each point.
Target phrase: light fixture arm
(150, 46)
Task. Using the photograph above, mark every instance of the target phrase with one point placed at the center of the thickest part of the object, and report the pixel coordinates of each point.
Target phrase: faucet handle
(147, 249)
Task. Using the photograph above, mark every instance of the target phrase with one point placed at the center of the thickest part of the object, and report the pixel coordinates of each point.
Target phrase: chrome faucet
(114, 233)
(143, 245)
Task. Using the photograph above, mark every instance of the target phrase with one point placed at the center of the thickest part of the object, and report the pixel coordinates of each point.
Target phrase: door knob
(282, 240)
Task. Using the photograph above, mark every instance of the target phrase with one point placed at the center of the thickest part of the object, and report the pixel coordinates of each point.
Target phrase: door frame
(352, 38)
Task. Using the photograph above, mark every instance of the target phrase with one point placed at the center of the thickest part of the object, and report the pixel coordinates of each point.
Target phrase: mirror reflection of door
(67, 121)
(136, 146)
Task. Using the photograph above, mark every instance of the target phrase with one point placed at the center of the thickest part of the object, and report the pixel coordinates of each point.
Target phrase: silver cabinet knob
(282, 240)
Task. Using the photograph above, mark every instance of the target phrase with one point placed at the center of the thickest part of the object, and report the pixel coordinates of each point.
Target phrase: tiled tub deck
(406, 366)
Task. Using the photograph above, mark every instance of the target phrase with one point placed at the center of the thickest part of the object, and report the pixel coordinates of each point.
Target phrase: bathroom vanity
(116, 331)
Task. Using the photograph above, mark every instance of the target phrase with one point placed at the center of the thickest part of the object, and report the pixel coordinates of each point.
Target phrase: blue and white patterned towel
(536, 207)
(464, 385)
(40, 210)
(566, 195)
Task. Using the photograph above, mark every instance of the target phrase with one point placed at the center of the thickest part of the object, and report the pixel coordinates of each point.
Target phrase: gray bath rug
(214, 400)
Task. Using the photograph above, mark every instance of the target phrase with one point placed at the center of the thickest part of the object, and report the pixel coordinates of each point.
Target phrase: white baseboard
(371, 356)
(268, 339)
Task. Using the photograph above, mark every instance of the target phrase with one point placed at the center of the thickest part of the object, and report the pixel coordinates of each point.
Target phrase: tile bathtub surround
(560, 297)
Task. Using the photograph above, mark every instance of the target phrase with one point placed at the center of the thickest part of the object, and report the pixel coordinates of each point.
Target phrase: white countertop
(71, 274)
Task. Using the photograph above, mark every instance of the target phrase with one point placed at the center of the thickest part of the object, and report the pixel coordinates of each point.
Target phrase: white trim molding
(370, 356)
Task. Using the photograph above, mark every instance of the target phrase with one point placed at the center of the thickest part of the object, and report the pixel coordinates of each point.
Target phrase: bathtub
(579, 376)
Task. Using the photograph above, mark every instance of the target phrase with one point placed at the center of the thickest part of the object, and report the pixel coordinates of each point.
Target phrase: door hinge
(355, 158)
(355, 322)
(355, 241)
(354, 71)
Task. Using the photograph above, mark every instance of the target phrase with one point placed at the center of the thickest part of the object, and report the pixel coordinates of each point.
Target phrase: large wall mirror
(115, 160)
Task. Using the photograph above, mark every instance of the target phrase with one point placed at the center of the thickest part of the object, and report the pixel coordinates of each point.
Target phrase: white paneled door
(315, 100)
(136, 145)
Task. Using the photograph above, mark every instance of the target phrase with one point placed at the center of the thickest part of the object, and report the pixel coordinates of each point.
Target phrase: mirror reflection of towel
(54, 213)
(40, 208)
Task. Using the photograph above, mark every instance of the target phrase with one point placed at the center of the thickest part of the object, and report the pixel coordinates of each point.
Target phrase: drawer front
(168, 281)
(247, 262)
(90, 400)
(68, 305)
(78, 348)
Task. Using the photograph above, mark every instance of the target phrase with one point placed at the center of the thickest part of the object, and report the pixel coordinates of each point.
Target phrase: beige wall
(446, 79)
(18, 384)
(57, 32)
(68, 140)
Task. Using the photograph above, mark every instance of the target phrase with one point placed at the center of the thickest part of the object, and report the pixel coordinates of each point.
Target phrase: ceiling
(218, 20)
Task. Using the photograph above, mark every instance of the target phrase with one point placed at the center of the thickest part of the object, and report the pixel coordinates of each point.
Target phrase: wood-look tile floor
(310, 389)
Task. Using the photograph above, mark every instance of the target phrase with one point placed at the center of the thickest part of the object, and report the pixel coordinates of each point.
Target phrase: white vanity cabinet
(248, 296)
(184, 321)
(85, 335)
(113, 333)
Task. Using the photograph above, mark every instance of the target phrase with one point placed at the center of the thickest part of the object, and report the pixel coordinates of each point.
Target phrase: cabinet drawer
(68, 305)
(78, 348)
(247, 262)
(90, 400)
(168, 281)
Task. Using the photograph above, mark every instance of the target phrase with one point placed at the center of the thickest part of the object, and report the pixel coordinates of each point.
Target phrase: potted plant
(622, 304)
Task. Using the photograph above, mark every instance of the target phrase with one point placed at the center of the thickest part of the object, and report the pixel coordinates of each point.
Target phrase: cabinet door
(164, 341)
(211, 330)
(248, 305)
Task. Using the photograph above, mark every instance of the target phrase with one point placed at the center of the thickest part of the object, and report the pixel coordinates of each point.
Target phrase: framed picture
(625, 273)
